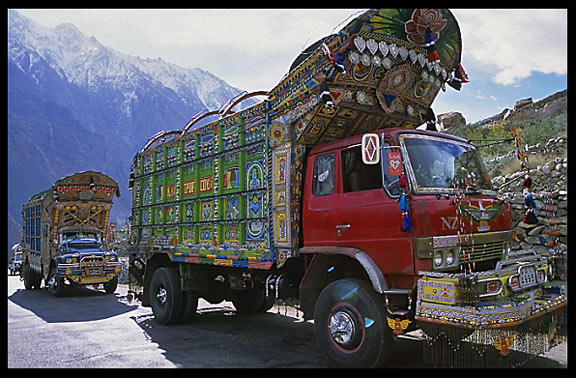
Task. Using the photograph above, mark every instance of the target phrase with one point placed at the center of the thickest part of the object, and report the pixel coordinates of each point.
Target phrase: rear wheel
(32, 280)
(166, 296)
(350, 323)
(189, 306)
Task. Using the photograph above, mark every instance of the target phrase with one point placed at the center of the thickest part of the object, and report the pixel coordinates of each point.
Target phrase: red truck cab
(349, 204)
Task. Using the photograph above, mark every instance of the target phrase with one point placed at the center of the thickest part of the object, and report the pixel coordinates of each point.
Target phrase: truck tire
(189, 306)
(56, 283)
(36, 278)
(32, 280)
(166, 296)
(111, 285)
(350, 322)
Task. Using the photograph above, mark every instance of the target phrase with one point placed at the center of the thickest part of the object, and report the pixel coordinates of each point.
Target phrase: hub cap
(161, 295)
(52, 282)
(342, 328)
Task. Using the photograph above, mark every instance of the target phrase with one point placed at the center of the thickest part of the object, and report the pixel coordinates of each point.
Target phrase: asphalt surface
(90, 329)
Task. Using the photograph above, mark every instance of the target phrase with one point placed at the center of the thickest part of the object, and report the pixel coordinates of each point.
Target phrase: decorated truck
(64, 233)
(325, 192)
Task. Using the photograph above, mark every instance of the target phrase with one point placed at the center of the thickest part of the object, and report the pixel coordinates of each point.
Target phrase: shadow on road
(219, 337)
(80, 305)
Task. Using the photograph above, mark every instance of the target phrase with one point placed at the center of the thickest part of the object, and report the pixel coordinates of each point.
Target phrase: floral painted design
(421, 19)
(409, 26)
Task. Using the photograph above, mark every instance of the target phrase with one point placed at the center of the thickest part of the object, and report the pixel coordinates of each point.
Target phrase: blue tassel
(406, 226)
(529, 201)
(403, 204)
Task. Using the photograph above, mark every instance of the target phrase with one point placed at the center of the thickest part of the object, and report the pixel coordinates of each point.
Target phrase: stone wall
(549, 190)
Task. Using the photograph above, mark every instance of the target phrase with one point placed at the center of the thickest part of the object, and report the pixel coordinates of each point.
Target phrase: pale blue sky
(508, 54)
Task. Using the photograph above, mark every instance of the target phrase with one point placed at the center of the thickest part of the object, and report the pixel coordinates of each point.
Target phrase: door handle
(340, 227)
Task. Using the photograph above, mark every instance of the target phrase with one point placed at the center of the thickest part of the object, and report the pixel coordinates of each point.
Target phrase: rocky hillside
(543, 126)
(550, 193)
(537, 122)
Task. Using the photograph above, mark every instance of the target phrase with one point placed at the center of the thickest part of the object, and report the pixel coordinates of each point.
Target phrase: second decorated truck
(64, 231)
(326, 193)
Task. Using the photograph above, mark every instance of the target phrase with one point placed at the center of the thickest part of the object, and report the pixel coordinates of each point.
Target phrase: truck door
(367, 217)
(319, 224)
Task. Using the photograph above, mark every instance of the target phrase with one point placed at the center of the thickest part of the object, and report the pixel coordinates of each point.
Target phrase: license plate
(93, 271)
(527, 276)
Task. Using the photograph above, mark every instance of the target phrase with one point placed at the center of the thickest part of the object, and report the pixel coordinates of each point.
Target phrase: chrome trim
(491, 294)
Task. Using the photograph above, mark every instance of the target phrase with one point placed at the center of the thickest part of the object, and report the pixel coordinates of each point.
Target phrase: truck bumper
(489, 314)
(466, 300)
(89, 275)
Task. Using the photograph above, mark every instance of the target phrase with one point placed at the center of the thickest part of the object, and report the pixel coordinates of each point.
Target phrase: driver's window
(391, 169)
(324, 175)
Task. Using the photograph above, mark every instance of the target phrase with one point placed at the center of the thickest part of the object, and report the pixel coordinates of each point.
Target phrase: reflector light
(514, 282)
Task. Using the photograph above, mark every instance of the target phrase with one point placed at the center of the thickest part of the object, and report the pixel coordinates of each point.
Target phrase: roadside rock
(451, 119)
(550, 193)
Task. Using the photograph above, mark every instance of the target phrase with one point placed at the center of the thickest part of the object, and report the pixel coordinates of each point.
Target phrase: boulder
(451, 119)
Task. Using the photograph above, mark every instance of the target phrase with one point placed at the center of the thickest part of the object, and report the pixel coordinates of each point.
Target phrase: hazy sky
(508, 53)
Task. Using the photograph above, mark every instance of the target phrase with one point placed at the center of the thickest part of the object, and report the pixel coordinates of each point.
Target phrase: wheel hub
(342, 327)
(161, 295)
(52, 283)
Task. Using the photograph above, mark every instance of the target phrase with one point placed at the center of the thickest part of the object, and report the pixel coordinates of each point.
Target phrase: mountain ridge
(75, 104)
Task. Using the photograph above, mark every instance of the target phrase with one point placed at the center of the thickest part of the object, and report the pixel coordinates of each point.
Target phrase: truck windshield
(436, 164)
(83, 245)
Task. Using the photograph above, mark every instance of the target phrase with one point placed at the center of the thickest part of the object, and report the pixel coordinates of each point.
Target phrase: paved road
(92, 329)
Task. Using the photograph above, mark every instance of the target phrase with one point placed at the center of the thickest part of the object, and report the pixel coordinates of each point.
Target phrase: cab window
(323, 175)
(357, 176)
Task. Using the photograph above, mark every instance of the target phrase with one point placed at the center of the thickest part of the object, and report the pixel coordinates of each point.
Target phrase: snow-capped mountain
(85, 62)
(74, 105)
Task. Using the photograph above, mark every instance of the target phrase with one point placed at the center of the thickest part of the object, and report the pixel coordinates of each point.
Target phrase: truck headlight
(113, 258)
(438, 258)
(450, 257)
(68, 260)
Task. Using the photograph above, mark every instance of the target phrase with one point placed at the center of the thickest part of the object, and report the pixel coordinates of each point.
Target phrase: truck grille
(485, 256)
(92, 260)
(485, 251)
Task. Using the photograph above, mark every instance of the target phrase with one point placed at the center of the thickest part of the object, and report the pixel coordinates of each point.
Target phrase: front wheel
(350, 323)
(166, 296)
(56, 283)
